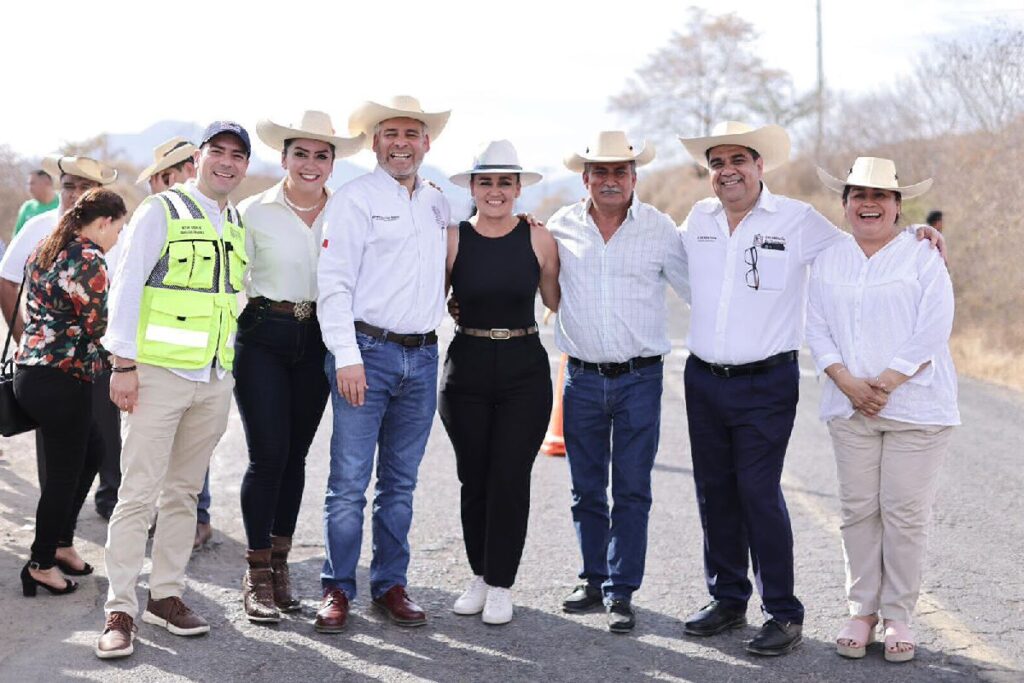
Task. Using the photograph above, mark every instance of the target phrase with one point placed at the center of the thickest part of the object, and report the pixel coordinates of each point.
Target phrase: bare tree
(707, 74)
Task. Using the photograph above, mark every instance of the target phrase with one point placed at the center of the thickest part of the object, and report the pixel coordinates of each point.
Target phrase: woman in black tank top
(495, 395)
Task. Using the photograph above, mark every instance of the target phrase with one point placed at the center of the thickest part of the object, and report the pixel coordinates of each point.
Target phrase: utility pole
(819, 140)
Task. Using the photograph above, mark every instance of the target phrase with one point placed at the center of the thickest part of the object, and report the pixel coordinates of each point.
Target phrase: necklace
(301, 208)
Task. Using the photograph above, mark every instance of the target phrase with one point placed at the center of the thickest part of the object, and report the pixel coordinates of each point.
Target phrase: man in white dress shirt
(381, 294)
(76, 175)
(749, 253)
(616, 254)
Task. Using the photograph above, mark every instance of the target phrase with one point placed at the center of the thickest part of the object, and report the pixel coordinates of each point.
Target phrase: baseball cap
(218, 127)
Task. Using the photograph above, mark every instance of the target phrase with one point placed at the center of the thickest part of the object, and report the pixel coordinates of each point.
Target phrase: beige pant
(888, 475)
(168, 441)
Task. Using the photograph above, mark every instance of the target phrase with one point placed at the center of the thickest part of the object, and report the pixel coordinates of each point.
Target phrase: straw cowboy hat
(608, 147)
(369, 114)
(315, 125)
(770, 141)
(876, 173)
(167, 154)
(498, 156)
(83, 167)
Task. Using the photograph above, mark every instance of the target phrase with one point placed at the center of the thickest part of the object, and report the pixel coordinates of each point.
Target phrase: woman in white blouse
(280, 386)
(879, 318)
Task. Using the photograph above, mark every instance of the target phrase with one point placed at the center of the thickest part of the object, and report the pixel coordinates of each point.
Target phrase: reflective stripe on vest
(189, 301)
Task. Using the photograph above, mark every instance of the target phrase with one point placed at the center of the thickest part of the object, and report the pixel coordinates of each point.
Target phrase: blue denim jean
(395, 421)
(616, 421)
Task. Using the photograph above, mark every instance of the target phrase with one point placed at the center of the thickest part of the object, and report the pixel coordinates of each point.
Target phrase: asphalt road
(970, 625)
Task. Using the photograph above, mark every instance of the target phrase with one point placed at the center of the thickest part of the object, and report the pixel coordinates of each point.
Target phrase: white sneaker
(498, 608)
(472, 601)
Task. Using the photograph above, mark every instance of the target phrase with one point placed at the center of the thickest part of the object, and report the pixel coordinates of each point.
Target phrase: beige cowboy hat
(369, 114)
(771, 142)
(167, 154)
(83, 167)
(608, 147)
(876, 173)
(315, 125)
(498, 156)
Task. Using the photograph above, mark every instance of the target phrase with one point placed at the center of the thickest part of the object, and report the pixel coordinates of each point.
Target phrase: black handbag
(13, 418)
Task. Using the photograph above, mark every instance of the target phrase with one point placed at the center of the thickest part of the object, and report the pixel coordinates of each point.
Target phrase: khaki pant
(167, 447)
(888, 475)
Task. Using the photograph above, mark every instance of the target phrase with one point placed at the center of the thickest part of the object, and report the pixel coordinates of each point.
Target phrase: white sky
(538, 72)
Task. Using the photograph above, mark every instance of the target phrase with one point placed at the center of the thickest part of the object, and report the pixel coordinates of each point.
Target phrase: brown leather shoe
(175, 616)
(333, 612)
(117, 637)
(400, 609)
(204, 534)
(258, 588)
(280, 546)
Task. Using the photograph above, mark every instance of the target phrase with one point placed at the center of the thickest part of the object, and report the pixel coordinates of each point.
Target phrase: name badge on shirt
(386, 219)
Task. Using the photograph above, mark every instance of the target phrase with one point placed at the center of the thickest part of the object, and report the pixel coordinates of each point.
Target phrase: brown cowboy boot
(258, 588)
(280, 546)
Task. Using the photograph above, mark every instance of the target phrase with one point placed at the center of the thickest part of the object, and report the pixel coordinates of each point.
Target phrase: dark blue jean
(394, 422)
(616, 421)
(739, 431)
(281, 393)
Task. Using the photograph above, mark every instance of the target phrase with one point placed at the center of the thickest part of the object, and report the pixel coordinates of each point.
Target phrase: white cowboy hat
(608, 147)
(498, 156)
(315, 125)
(369, 114)
(771, 142)
(167, 154)
(876, 173)
(83, 167)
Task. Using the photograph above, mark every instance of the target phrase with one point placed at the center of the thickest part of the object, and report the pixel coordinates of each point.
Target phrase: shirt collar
(387, 180)
(275, 195)
(634, 207)
(209, 205)
(767, 201)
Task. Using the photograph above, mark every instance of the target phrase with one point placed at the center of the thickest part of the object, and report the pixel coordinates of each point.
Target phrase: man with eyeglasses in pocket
(748, 251)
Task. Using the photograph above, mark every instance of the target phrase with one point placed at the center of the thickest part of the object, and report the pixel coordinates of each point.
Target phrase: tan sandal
(897, 633)
(858, 634)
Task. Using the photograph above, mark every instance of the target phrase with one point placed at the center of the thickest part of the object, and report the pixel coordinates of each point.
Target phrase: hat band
(488, 167)
(177, 147)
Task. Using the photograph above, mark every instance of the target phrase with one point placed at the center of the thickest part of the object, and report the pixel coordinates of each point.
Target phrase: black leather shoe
(776, 638)
(583, 599)
(713, 618)
(620, 617)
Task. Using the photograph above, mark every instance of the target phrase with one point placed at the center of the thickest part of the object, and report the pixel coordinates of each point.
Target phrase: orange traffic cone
(554, 441)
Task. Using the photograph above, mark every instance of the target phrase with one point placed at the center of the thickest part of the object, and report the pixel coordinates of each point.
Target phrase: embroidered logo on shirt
(385, 218)
(770, 242)
(439, 218)
(325, 243)
(707, 238)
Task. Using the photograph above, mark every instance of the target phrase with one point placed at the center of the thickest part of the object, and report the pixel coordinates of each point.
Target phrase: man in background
(44, 198)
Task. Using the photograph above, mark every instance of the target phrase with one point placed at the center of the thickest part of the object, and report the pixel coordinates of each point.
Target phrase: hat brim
(175, 157)
(274, 136)
(771, 142)
(369, 114)
(525, 177)
(577, 162)
(906, 192)
(58, 166)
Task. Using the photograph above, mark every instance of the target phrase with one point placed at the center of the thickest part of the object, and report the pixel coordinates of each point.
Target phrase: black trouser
(281, 392)
(495, 402)
(106, 420)
(62, 405)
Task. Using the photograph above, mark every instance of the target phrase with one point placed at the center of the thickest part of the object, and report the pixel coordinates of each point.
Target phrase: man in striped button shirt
(617, 254)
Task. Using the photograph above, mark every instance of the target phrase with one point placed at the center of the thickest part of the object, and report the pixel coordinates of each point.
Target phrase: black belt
(615, 369)
(302, 310)
(755, 368)
(401, 339)
(497, 332)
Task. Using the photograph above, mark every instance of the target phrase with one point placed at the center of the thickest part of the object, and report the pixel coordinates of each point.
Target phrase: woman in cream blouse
(879, 318)
(280, 386)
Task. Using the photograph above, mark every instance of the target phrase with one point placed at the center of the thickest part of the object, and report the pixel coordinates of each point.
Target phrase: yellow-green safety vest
(189, 302)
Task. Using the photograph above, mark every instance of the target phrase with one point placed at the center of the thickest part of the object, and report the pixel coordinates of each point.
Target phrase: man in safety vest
(171, 335)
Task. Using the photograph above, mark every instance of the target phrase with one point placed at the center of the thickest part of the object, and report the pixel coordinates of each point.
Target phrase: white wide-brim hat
(875, 173)
(167, 154)
(314, 125)
(771, 142)
(83, 167)
(369, 114)
(498, 156)
(610, 146)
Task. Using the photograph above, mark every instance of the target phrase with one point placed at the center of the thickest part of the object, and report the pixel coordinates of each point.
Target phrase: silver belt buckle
(500, 333)
(303, 310)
